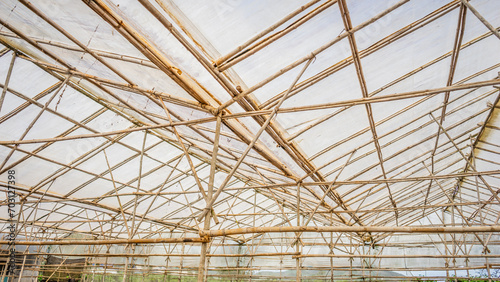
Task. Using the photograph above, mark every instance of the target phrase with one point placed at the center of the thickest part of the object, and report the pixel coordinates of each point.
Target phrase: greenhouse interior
(249, 140)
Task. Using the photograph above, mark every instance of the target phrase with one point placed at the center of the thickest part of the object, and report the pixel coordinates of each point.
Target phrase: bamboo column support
(139, 178)
(22, 267)
(117, 197)
(213, 163)
(191, 165)
(297, 240)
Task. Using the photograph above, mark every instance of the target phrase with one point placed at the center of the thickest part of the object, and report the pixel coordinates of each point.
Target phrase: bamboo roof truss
(311, 130)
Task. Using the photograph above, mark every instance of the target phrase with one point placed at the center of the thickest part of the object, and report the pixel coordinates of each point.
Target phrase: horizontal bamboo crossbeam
(350, 229)
(293, 254)
(374, 181)
(395, 256)
(353, 102)
(110, 242)
(160, 255)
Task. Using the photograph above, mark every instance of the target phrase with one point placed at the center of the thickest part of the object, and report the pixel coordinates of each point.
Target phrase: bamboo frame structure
(333, 140)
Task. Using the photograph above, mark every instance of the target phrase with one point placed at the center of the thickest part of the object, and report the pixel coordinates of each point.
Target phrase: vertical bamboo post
(454, 238)
(297, 241)
(182, 262)
(488, 269)
(350, 259)
(126, 266)
(22, 268)
(204, 249)
(445, 242)
(331, 252)
(5, 268)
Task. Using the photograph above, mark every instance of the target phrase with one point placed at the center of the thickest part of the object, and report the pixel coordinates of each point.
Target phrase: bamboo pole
(30, 126)
(111, 242)
(454, 58)
(298, 272)
(206, 226)
(73, 39)
(264, 32)
(353, 102)
(381, 229)
(222, 66)
(124, 86)
(7, 79)
(494, 193)
(163, 255)
(312, 55)
(395, 256)
(117, 197)
(481, 18)
(22, 267)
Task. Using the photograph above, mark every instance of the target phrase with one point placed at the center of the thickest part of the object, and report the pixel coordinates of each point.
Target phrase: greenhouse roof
(139, 119)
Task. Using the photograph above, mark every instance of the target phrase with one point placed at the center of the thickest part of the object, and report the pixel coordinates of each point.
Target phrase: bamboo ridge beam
(383, 229)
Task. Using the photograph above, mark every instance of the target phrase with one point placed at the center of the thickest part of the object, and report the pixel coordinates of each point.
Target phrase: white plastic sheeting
(146, 175)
